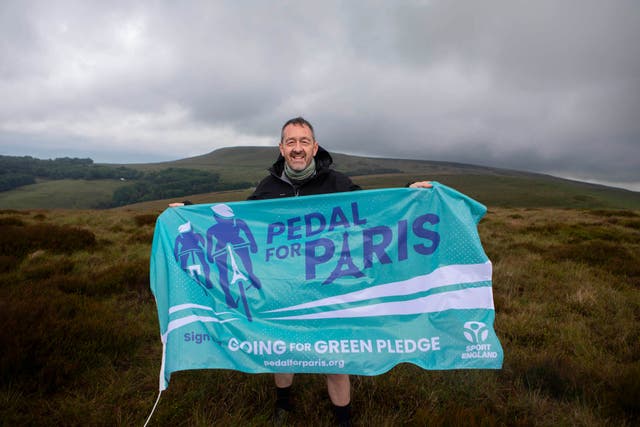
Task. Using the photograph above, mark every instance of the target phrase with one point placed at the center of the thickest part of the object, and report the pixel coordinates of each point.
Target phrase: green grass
(519, 191)
(81, 346)
(64, 194)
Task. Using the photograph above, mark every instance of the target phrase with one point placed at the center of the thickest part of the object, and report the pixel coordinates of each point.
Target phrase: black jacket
(326, 180)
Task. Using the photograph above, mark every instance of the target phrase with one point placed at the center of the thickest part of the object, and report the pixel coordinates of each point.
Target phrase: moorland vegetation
(80, 338)
(81, 342)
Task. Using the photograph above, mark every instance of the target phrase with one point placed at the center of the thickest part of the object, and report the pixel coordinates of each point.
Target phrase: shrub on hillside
(612, 212)
(128, 277)
(634, 224)
(146, 219)
(7, 263)
(610, 256)
(50, 339)
(141, 237)
(11, 220)
(20, 240)
(45, 267)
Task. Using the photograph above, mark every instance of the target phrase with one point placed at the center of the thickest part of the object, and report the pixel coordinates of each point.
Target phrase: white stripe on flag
(181, 307)
(443, 276)
(462, 299)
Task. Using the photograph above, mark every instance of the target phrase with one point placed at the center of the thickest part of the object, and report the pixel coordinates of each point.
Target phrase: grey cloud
(543, 86)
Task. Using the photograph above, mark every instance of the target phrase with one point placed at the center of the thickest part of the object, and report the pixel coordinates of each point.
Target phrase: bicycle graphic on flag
(229, 252)
(228, 247)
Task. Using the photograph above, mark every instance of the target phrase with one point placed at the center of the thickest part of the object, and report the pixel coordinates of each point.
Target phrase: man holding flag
(302, 169)
(338, 284)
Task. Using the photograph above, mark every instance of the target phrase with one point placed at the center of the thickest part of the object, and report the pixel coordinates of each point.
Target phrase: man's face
(298, 146)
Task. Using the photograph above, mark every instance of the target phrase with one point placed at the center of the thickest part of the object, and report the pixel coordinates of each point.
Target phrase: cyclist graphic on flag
(227, 248)
(189, 252)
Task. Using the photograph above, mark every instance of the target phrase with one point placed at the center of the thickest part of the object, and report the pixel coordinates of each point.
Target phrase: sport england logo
(228, 247)
(476, 332)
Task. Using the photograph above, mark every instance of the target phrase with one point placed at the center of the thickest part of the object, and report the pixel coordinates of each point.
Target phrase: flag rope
(154, 409)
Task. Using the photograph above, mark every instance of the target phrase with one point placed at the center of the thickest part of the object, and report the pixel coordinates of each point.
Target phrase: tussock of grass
(610, 257)
(584, 231)
(18, 240)
(145, 219)
(141, 237)
(14, 212)
(633, 224)
(613, 212)
(81, 347)
(44, 265)
(131, 276)
(50, 339)
(11, 220)
(8, 262)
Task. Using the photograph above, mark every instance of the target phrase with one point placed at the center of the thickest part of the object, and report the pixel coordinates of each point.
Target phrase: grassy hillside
(64, 193)
(491, 190)
(520, 190)
(491, 186)
(233, 164)
(80, 342)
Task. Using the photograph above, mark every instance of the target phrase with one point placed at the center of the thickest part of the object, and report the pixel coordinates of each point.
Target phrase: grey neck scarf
(300, 176)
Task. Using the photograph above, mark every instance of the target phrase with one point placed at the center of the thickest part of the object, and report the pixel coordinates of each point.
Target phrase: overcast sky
(548, 86)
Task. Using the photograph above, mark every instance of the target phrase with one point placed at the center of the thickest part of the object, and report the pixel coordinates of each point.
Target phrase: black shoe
(342, 415)
(280, 416)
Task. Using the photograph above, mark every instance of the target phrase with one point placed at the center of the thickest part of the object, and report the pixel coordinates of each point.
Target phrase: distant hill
(491, 186)
(242, 163)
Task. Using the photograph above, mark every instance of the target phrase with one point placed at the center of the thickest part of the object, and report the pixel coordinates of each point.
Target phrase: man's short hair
(299, 121)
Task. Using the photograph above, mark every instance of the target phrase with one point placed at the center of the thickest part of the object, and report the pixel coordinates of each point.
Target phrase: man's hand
(421, 184)
(176, 204)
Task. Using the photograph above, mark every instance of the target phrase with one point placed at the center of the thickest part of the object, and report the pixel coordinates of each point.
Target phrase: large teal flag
(351, 283)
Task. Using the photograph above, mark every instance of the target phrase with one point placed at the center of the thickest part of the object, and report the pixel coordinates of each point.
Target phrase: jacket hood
(323, 161)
